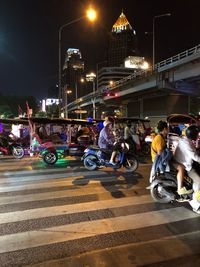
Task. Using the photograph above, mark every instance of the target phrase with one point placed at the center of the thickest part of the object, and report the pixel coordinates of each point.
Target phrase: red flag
(19, 110)
(29, 118)
(28, 109)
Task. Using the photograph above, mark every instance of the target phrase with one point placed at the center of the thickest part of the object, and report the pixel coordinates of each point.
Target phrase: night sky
(29, 36)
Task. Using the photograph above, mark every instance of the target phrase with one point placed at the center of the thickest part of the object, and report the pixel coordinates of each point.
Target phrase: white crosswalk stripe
(73, 217)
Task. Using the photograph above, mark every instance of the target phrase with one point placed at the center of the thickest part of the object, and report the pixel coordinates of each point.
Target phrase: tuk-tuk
(140, 129)
(56, 138)
(178, 124)
(13, 139)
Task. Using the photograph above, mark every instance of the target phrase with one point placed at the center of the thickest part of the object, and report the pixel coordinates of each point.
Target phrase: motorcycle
(145, 148)
(10, 147)
(94, 158)
(163, 186)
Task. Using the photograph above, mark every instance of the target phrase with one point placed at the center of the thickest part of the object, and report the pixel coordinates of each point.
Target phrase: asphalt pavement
(65, 215)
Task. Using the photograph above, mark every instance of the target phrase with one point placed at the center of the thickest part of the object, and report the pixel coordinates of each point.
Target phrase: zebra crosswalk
(72, 217)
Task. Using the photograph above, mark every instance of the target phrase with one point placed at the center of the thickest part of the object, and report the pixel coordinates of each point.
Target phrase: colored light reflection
(1, 127)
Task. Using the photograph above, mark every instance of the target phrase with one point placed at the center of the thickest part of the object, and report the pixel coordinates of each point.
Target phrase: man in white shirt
(185, 154)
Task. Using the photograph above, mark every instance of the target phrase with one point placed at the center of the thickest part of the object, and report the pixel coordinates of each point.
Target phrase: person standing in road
(159, 142)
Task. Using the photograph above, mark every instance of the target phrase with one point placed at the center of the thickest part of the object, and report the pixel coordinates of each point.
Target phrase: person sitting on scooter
(181, 190)
(128, 137)
(185, 154)
(106, 136)
(116, 146)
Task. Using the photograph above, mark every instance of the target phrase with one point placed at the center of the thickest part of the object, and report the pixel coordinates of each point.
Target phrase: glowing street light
(91, 16)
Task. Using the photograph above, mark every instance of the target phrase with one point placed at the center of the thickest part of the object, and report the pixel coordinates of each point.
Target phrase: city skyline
(29, 36)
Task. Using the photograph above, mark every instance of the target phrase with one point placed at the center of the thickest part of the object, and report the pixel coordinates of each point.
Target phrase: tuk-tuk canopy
(56, 121)
(130, 119)
(175, 119)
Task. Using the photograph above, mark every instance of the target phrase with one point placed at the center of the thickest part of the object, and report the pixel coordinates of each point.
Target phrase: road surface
(64, 215)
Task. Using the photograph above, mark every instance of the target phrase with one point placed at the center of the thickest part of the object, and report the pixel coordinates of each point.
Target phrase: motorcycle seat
(106, 151)
(94, 147)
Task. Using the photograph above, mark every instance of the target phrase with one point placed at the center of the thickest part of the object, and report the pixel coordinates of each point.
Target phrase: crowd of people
(111, 135)
(108, 135)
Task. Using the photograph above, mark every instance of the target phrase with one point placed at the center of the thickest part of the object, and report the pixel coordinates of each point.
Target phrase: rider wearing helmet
(185, 154)
(192, 132)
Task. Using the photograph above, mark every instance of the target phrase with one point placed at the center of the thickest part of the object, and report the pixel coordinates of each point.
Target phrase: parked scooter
(95, 158)
(141, 147)
(10, 147)
(145, 148)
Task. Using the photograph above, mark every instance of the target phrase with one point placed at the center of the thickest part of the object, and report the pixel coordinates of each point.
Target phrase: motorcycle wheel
(17, 152)
(90, 163)
(131, 164)
(146, 149)
(157, 195)
(50, 158)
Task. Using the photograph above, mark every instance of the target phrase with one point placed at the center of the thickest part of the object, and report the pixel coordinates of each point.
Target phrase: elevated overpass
(166, 89)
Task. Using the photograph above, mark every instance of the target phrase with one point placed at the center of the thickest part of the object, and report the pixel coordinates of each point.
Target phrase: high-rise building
(122, 51)
(122, 42)
(72, 71)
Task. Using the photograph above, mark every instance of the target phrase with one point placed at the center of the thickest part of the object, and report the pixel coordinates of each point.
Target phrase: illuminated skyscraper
(72, 71)
(122, 42)
(122, 48)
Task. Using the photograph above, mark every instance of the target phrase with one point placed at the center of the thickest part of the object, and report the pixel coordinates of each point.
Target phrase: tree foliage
(11, 104)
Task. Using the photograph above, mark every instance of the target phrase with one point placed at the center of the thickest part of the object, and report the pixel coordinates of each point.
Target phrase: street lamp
(91, 78)
(82, 80)
(154, 19)
(90, 15)
(76, 88)
(67, 92)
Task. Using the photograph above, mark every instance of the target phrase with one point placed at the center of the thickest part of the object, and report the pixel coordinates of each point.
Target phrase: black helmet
(192, 132)
(162, 125)
(129, 124)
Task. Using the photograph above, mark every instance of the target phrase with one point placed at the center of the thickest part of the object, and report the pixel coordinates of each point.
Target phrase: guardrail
(180, 56)
(141, 73)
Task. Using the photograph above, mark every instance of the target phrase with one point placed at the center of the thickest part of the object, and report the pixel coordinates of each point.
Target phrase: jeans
(195, 204)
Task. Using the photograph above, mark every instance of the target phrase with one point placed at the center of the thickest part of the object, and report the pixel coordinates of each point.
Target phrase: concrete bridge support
(159, 106)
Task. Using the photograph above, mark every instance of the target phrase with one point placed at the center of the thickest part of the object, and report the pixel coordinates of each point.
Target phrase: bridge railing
(126, 79)
(89, 96)
(180, 56)
(141, 73)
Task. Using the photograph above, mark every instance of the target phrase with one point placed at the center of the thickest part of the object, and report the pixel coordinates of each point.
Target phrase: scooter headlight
(86, 150)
